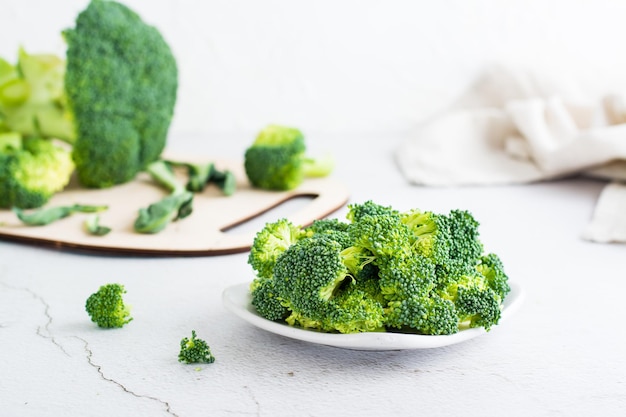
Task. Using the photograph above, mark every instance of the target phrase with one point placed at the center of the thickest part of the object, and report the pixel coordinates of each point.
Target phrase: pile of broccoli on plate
(382, 270)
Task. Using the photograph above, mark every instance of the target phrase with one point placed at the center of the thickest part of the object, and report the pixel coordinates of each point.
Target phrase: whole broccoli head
(194, 350)
(106, 307)
(31, 170)
(276, 160)
(121, 82)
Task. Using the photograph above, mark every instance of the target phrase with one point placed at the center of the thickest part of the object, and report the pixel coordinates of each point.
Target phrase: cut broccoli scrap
(106, 306)
(194, 350)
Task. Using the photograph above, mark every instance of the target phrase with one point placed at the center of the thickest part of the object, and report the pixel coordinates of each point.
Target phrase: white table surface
(562, 354)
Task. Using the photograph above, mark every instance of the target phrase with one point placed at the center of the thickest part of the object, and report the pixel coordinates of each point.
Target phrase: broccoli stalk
(276, 160)
(194, 350)
(177, 205)
(106, 307)
(201, 174)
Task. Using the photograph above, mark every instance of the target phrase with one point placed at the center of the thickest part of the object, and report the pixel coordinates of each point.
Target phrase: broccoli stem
(318, 167)
(177, 205)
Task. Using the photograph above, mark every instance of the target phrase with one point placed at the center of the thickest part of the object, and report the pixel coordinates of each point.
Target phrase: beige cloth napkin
(513, 127)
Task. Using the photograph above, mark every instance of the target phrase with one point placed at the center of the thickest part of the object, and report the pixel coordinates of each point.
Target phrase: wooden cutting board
(205, 232)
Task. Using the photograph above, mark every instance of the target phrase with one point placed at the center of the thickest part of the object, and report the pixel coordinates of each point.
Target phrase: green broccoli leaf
(45, 216)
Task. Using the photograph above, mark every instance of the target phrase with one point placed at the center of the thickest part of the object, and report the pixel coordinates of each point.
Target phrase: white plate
(237, 300)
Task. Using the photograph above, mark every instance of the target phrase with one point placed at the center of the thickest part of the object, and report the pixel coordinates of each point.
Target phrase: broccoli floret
(194, 350)
(270, 242)
(353, 311)
(31, 170)
(308, 274)
(466, 245)
(369, 208)
(426, 315)
(266, 300)
(121, 83)
(175, 206)
(492, 269)
(404, 277)
(106, 306)
(276, 160)
(476, 303)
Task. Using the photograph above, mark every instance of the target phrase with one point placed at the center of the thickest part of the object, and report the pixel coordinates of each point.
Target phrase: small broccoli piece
(93, 226)
(308, 274)
(106, 306)
(476, 303)
(270, 242)
(492, 269)
(202, 174)
(177, 205)
(47, 215)
(405, 277)
(276, 160)
(31, 171)
(266, 300)
(194, 350)
(225, 180)
(426, 315)
(353, 311)
(369, 208)
(121, 83)
(466, 245)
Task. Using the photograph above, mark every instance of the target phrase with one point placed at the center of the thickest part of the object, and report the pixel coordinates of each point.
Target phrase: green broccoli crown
(427, 315)
(266, 300)
(353, 311)
(405, 277)
(106, 306)
(466, 244)
(476, 303)
(276, 160)
(431, 232)
(383, 235)
(194, 350)
(270, 242)
(369, 208)
(492, 269)
(308, 274)
(31, 171)
(121, 83)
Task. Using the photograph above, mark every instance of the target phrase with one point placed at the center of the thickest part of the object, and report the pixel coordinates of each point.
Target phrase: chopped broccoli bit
(201, 174)
(47, 215)
(276, 160)
(177, 205)
(93, 226)
(31, 170)
(383, 270)
(106, 306)
(194, 350)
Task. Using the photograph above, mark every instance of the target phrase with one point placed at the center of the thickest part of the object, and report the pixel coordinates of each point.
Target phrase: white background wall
(347, 65)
